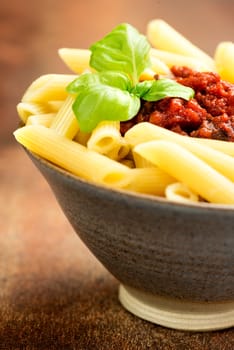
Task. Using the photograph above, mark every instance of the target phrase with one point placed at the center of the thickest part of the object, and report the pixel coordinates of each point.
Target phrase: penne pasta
(141, 162)
(174, 59)
(148, 74)
(159, 66)
(120, 151)
(224, 58)
(164, 37)
(144, 132)
(26, 109)
(65, 122)
(48, 87)
(149, 181)
(41, 119)
(78, 61)
(188, 169)
(106, 139)
(222, 146)
(75, 59)
(54, 106)
(147, 159)
(179, 192)
(128, 162)
(72, 156)
(82, 137)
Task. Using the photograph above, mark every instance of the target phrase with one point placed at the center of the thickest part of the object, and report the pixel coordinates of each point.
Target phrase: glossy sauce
(210, 114)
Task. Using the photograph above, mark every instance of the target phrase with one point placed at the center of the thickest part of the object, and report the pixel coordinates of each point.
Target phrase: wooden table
(54, 294)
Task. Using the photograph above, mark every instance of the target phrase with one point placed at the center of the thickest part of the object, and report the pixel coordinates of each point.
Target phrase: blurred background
(32, 31)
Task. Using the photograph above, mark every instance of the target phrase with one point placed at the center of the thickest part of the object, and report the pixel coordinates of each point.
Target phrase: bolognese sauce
(209, 114)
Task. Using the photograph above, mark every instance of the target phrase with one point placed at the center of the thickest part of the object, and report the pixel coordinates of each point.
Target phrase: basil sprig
(114, 91)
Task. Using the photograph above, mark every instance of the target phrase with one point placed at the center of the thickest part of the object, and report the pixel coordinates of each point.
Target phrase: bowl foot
(177, 314)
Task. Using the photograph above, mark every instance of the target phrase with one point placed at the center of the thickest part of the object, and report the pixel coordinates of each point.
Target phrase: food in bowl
(134, 121)
(112, 128)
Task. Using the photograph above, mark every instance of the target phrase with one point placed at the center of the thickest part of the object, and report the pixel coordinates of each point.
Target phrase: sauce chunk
(210, 114)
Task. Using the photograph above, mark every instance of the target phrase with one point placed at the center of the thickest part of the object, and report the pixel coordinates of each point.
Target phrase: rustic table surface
(54, 294)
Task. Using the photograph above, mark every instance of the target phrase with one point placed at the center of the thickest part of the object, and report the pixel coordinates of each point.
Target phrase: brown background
(53, 293)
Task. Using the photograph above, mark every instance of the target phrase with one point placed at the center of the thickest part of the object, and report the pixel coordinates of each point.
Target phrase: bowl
(174, 262)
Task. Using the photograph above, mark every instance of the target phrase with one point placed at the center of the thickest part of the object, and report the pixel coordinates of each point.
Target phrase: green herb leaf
(155, 90)
(82, 82)
(122, 50)
(111, 78)
(98, 102)
(116, 79)
(141, 89)
(114, 91)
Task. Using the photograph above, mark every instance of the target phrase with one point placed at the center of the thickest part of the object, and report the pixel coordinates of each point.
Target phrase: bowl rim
(138, 197)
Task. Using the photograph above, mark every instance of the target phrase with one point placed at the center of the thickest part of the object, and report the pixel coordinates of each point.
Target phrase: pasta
(164, 37)
(172, 58)
(178, 162)
(157, 66)
(54, 106)
(147, 159)
(106, 139)
(48, 87)
(65, 122)
(78, 61)
(148, 180)
(41, 119)
(88, 164)
(82, 137)
(26, 109)
(72, 156)
(179, 192)
(218, 160)
(224, 58)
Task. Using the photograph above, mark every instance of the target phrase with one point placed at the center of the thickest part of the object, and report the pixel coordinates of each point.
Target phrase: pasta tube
(188, 169)
(159, 66)
(54, 106)
(65, 122)
(72, 156)
(128, 162)
(149, 181)
(175, 59)
(76, 59)
(120, 151)
(218, 160)
(141, 162)
(179, 192)
(164, 37)
(48, 87)
(224, 58)
(82, 137)
(26, 109)
(106, 139)
(41, 119)
(147, 74)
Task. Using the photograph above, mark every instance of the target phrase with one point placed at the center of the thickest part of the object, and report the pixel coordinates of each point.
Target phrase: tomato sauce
(210, 114)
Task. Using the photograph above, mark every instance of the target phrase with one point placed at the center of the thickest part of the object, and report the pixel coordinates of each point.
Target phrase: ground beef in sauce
(210, 114)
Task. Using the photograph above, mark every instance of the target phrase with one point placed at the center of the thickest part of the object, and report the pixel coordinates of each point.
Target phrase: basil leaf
(123, 50)
(99, 102)
(113, 92)
(141, 89)
(155, 90)
(111, 78)
(116, 79)
(82, 82)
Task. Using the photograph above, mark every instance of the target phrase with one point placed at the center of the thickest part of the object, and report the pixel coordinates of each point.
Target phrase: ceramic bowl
(175, 262)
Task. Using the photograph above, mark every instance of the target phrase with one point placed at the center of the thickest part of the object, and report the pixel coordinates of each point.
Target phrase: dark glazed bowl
(178, 252)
